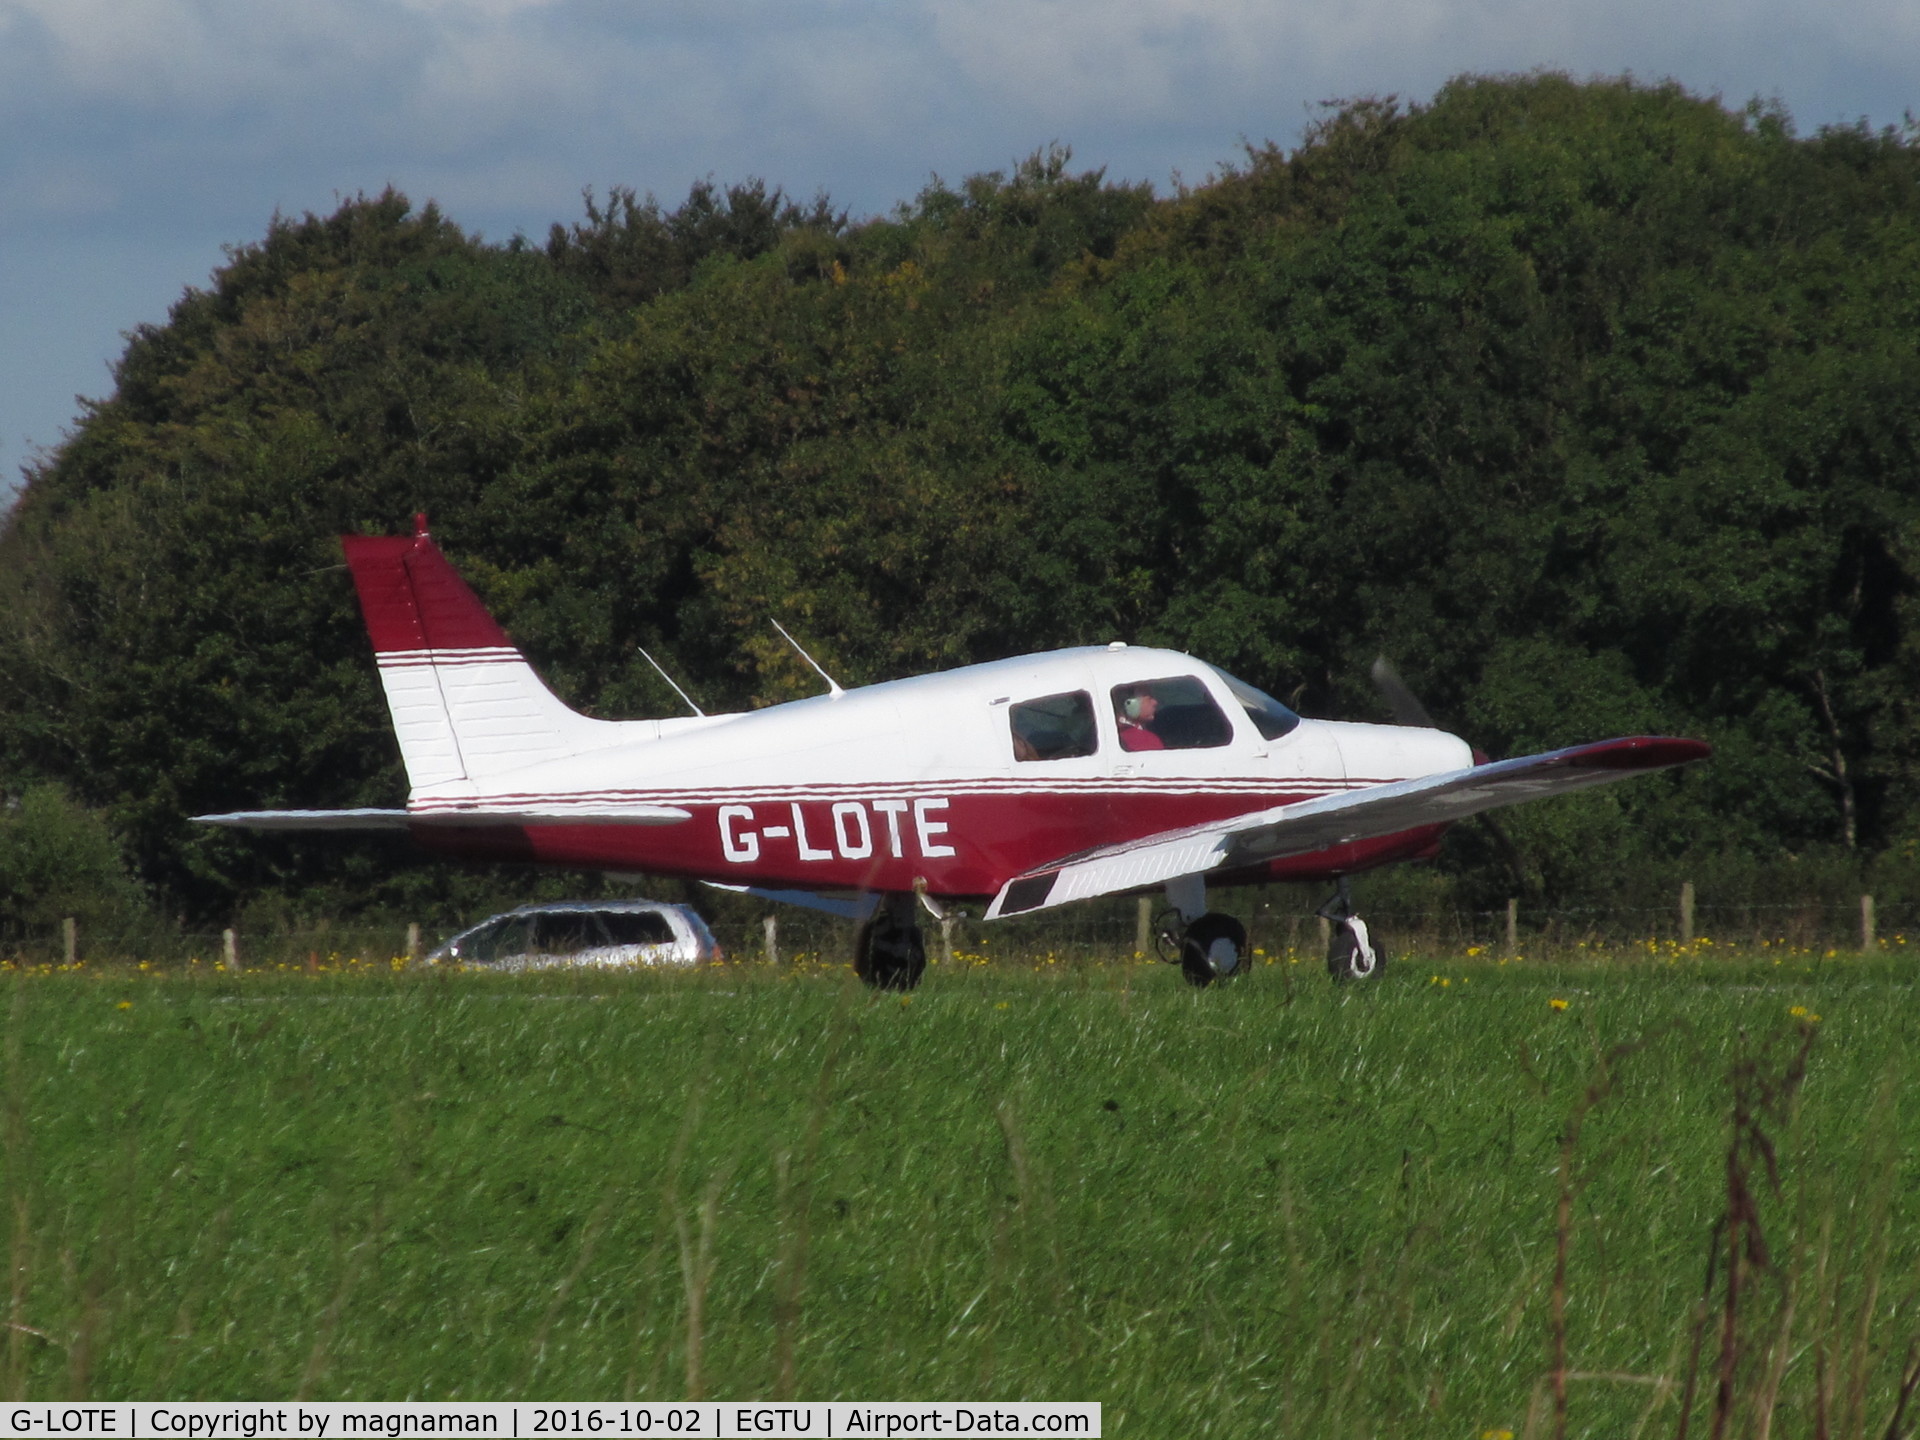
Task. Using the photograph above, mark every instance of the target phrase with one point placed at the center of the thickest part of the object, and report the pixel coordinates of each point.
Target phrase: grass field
(1446, 1204)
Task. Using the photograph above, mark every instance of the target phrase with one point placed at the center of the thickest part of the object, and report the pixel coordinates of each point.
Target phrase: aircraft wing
(1330, 820)
(468, 817)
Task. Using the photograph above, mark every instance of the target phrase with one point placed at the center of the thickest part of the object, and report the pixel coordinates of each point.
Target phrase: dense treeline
(1596, 406)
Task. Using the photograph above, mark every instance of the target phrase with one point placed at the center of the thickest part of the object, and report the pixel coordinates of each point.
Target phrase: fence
(1279, 918)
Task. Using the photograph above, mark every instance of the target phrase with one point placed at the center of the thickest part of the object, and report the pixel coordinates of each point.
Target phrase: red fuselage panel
(959, 841)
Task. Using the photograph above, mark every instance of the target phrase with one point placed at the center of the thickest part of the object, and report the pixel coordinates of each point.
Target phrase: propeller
(1405, 705)
(1407, 710)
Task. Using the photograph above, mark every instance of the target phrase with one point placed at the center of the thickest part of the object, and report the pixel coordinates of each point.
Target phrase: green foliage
(1590, 404)
(59, 861)
(630, 251)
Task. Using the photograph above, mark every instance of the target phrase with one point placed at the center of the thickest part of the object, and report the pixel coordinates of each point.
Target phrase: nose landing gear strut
(1353, 952)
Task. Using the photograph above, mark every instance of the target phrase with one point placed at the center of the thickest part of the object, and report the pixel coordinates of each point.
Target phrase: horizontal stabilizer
(308, 819)
(552, 813)
(468, 817)
(1321, 824)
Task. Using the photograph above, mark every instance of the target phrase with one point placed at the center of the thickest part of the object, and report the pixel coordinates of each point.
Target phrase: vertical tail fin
(465, 703)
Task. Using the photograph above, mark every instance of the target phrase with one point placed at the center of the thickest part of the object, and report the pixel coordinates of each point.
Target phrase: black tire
(888, 956)
(1347, 957)
(1215, 948)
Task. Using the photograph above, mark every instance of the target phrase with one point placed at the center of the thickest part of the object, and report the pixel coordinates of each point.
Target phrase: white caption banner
(710, 1420)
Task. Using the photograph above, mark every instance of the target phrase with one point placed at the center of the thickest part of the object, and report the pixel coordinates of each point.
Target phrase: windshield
(1269, 716)
(496, 940)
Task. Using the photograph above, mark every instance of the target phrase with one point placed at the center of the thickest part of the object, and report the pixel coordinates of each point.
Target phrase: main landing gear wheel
(889, 953)
(1214, 948)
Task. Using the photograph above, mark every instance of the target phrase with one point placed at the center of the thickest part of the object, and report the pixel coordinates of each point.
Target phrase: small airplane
(1028, 782)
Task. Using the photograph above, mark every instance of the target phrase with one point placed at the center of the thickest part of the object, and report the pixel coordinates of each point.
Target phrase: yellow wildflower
(1557, 1003)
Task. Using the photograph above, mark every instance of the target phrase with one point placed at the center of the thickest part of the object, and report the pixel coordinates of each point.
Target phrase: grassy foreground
(1268, 1209)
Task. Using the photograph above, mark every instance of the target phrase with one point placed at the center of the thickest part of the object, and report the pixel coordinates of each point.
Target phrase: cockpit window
(1171, 714)
(1054, 727)
(1269, 716)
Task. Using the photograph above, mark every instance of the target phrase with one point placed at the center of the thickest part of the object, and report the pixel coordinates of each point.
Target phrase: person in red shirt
(1136, 723)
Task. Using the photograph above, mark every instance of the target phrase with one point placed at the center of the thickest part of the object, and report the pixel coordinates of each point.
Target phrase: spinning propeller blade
(1405, 705)
(1407, 710)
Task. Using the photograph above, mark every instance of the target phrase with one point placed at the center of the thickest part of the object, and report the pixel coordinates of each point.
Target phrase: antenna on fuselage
(833, 686)
(671, 681)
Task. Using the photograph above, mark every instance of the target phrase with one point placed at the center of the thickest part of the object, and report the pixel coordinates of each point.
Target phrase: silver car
(584, 932)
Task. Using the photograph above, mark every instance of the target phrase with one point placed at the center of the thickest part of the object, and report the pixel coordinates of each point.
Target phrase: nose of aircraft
(1400, 752)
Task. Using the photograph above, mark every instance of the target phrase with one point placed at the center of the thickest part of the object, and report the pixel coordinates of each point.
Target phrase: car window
(569, 932)
(1172, 714)
(1269, 716)
(501, 940)
(643, 928)
(1054, 727)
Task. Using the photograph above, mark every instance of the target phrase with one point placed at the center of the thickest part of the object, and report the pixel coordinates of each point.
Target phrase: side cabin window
(1054, 727)
(1171, 714)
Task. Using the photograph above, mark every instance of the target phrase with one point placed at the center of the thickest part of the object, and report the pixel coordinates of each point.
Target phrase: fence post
(70, 934)
(413, 942)
(946, 939)
(1513, 925)
(1143, 927)
(770, 928)
(1686, 912)
(1867, 945)
(229, 950)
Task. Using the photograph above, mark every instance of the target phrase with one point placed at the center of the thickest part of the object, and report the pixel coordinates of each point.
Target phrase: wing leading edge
(1320, 824)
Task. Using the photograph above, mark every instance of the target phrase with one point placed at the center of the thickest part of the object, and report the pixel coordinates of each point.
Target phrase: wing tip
(1642, 752)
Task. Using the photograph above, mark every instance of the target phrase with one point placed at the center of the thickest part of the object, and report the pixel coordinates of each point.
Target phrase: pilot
(1136, 722)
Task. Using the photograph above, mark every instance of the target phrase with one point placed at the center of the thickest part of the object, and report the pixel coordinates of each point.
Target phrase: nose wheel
(1353, 951)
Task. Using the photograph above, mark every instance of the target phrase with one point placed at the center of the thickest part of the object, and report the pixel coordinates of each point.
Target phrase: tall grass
(1418, 1208)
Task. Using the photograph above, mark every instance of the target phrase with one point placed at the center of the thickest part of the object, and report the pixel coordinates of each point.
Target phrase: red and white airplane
(1027, 782)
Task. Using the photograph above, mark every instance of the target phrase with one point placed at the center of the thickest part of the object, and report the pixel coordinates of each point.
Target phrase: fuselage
(934, 781)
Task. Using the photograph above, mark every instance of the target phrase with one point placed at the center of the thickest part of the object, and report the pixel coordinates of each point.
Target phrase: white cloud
(225, 98)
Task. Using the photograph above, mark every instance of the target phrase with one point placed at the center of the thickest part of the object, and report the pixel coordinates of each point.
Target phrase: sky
(140, 137)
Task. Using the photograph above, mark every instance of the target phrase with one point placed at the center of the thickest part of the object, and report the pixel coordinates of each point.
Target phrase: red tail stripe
(413, 599)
